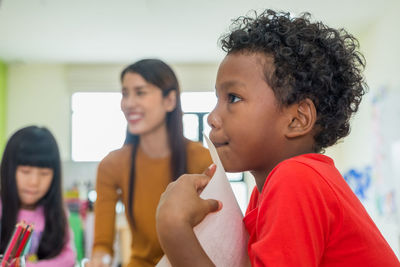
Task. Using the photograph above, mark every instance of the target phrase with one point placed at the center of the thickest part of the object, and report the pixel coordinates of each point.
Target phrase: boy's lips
(220, 144)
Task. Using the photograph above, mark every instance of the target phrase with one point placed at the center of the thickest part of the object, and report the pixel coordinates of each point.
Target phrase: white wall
(384, 72)
(371, 138)
(38, 94)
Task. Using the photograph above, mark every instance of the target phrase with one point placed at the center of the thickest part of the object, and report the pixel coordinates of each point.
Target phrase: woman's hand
(99, 259)
(179, 210)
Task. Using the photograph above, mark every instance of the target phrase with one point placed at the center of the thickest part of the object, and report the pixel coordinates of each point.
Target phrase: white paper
(221, 234)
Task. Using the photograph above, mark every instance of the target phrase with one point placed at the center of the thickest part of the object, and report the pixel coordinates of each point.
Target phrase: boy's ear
(302, 117)
(170, 101)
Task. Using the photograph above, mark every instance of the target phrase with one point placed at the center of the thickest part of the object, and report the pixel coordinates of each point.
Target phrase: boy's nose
(213, 119)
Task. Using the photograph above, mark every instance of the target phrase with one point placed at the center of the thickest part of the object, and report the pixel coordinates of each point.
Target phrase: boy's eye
(233, 98)
(140, 92)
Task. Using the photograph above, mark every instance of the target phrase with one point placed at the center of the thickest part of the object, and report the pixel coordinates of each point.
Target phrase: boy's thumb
(213, 205)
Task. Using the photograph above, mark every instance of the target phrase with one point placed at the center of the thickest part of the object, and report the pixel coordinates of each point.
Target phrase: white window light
(198, 101)
(98, 125)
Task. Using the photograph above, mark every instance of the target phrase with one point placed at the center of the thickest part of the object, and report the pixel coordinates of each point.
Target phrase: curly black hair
(311, 60)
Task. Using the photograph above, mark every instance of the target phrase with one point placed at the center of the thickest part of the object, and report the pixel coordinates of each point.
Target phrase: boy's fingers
(201, 182)
(210, 170)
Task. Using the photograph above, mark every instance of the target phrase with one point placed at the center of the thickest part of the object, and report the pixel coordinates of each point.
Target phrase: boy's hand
(179, 210)
(181, 203)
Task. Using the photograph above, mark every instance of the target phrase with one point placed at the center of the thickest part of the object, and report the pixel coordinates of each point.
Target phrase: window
(98, 125)
(196, 106)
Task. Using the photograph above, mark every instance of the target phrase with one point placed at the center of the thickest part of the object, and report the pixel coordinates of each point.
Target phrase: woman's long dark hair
(33, 146)
(158, 73)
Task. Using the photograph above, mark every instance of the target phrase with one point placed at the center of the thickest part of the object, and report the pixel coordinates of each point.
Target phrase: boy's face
(247, 125)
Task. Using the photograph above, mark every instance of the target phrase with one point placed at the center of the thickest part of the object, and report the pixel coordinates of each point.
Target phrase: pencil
(11, 245)
(25, 237)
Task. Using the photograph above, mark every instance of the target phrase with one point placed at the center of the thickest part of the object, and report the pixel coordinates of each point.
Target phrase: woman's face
(33, 184)
(143, 104)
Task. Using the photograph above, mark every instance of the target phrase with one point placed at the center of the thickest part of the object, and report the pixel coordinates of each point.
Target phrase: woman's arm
(104, 211)
(104, 221)
(179, 210)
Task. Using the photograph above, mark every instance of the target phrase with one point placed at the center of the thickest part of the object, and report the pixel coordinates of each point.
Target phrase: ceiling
(100, 31)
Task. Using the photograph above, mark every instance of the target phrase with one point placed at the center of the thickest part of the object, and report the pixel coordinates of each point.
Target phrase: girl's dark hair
(311, 61)
(33, 146)
(158, 73)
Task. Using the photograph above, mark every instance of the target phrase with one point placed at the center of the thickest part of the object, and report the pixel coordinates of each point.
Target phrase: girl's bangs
(39, 154)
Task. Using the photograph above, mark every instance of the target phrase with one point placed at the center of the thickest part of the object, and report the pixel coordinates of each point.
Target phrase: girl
(31, 191)
(286, 90)
(155, 153)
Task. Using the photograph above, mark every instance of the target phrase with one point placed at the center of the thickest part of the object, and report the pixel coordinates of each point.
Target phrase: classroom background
(60, 63)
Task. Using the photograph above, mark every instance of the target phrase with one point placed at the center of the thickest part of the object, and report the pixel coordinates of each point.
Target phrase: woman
(154, 154)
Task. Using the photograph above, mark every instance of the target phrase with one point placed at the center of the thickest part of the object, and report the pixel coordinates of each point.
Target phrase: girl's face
(247, 123)
(143, 104)
(33, 184)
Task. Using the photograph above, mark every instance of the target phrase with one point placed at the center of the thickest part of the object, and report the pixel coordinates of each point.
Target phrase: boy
(286, 90)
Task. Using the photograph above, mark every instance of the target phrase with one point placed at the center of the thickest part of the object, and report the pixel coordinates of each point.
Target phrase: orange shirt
(151, 178)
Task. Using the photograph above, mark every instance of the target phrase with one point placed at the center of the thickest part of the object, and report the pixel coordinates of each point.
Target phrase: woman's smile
(134, 117)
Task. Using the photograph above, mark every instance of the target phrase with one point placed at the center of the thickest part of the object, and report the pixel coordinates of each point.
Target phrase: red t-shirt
(307, 215)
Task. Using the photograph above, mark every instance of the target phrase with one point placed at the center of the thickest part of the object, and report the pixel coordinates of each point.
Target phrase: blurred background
(60, 63)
